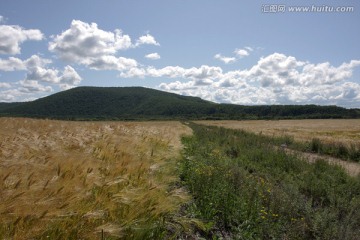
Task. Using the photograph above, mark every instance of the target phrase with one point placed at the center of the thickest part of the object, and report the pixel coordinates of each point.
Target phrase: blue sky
(231, 51)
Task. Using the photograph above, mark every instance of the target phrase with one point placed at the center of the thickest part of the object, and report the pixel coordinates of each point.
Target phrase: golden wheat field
(88, 179)
(328, 130)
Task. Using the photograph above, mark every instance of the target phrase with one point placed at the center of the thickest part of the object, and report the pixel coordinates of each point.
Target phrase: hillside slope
(112, 102)
(4, 105)
(144, 103)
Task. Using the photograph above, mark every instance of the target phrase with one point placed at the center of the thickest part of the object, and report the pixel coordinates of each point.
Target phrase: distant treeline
(137, 103)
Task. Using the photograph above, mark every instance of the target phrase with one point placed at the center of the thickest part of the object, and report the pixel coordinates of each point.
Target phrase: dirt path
(352, 168)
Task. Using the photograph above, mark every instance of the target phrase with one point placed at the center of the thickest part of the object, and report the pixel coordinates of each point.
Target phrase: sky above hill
(244, 52)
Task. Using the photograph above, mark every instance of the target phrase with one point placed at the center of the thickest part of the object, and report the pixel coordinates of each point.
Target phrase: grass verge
(249, 190)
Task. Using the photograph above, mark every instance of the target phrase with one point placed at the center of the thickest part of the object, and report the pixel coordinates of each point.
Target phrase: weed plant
(247, 189)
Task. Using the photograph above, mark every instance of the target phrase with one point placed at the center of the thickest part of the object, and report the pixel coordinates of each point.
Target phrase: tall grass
(84, 180)
(250, 190)
(336, 149)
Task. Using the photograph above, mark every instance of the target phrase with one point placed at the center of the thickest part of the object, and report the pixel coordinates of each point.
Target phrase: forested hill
(127, 103)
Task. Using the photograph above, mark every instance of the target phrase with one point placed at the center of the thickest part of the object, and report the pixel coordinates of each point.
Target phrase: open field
(328, 130)
(72, 180)
(128, 180)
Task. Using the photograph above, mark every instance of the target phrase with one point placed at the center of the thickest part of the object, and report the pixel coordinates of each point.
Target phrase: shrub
(316, 145)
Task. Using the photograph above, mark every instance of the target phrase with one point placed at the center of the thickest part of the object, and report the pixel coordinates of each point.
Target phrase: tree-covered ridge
(4, 105)
(143, 103)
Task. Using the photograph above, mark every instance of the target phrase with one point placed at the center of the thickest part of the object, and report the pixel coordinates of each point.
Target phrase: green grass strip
(250, 190)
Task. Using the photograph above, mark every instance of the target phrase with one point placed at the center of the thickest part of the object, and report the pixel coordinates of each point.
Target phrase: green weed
(250, 190)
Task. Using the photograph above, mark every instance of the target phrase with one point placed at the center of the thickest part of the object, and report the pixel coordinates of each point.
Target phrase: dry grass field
(327, 130)
(81, 180)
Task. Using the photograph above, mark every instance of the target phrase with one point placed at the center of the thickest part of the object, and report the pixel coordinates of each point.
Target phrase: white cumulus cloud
(43, 74)
(152, 56)
(11, 64)
(275, 79)
(69, 78)
(147, 39)
(16, 64)
(11, 38)
(242, 52)
(5, 85)
(9, 95)
(202, 75)
(86, 44)
(37, 70)
(83, 41)
(109, 62)
(32, 86)
(225, 60)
